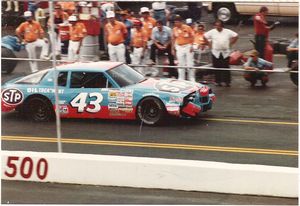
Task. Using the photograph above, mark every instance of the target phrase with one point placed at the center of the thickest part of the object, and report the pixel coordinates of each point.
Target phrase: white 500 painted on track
(188, 175)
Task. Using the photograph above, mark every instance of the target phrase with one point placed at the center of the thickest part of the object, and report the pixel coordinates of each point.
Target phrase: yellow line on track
(250, 121)
(154, 145)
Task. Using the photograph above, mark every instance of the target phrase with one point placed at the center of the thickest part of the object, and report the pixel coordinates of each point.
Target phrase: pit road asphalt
(243, 118)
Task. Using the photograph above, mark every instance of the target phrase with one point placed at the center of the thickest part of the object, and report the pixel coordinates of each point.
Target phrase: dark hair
(219, 21)
(160, 22)
(263, 9)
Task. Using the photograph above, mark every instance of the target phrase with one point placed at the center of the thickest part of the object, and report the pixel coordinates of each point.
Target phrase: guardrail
(141, 172)
(276, 70)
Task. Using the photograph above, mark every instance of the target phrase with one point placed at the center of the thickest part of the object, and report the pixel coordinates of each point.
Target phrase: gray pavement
(277, 102)
(49, 193)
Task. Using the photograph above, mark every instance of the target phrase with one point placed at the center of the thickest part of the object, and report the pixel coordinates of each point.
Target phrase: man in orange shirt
(139, 43)
(77, 33)
(68, 7)
(182, 43)
(148, 24)
(32, 34)
(200, 46)
(115, 35)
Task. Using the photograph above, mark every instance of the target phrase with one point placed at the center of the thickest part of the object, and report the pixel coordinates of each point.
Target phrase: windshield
(33, 78)
(125, 75)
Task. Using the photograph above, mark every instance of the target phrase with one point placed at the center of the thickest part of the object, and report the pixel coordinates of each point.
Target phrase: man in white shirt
(220, 41)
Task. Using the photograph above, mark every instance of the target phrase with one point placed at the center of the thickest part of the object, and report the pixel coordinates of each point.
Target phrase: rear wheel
(39, 109)
(151, 111)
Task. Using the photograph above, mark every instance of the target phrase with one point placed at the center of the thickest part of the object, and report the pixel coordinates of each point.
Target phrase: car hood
(168, 85)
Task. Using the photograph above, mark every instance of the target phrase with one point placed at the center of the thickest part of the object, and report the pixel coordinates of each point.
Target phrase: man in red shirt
(261, 30)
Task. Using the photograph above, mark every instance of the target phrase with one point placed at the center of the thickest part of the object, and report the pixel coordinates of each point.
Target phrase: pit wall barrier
(188, 175)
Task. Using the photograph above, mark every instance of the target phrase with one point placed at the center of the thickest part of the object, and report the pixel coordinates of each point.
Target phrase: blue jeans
(160, 15)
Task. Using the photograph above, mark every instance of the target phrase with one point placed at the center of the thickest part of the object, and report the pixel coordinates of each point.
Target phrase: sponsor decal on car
(174, 86)
(12, 96)
(44, 90)
(63, 109)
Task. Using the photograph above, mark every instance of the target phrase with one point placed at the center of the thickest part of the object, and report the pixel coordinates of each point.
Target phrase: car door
(87, 96)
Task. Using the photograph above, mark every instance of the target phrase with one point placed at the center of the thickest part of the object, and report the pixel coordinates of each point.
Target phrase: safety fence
(205, 67)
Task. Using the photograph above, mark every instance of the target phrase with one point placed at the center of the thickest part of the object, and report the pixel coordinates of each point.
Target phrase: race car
(105, 90)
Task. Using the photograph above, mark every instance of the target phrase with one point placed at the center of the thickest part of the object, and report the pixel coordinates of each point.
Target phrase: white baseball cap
(110, 14)
(189, 21)
(72, 18)
(82, 3)
(145, 9)
(27, 14)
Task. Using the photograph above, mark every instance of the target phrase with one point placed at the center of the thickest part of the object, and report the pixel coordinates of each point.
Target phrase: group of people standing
(138, 41)
(149, 37)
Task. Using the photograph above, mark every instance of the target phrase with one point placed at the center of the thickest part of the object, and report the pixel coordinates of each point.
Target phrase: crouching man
(255, 64)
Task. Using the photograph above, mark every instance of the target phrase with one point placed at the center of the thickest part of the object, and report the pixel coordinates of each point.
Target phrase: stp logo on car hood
(12, 96)
(174, 85)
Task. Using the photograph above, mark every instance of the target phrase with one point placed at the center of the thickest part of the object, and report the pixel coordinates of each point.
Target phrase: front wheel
(39, 109)
(151, 111)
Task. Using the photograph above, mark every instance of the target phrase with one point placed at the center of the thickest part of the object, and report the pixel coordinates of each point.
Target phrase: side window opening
(89, 80)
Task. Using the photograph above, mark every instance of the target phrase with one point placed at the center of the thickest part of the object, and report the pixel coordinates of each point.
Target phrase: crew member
(200, 46)
(183, 38)
(148, 24)
(115, 35)
(59, 17)
(220, 41)
(162, 40)
(32, 34)
(128, 23)
(68, 7)
(255, 64)
(139, 43)
(292, 50)
(261, 30)
(77, 33)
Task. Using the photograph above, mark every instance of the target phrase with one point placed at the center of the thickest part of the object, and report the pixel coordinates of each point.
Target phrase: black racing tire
(225, 13)
(151, 111)
(7, 66)
(38, 109)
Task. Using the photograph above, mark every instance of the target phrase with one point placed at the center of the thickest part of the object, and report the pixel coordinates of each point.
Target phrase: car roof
(99, 66)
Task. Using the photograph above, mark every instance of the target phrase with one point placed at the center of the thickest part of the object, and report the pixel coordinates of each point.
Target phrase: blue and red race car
(106, 90)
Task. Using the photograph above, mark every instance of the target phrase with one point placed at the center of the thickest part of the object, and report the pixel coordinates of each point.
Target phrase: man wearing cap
(182, 42)
(139, 43)
(148, 24)
(255, 64)
(77, 33)
(115, 35)
(129, 25)
(32, 34)
(59, 17)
